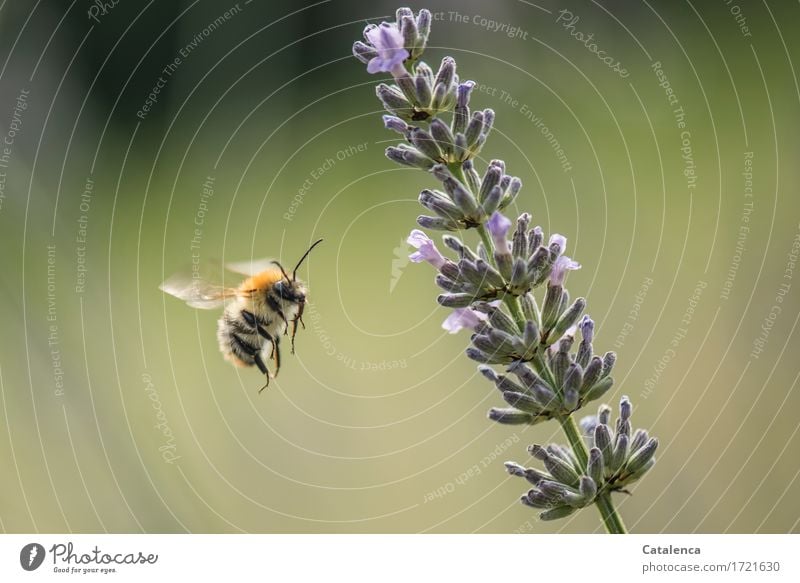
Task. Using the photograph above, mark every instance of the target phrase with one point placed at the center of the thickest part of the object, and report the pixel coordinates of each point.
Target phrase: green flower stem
(611, 518)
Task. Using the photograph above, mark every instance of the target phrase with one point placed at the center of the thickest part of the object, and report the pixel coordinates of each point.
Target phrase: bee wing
(252, 267)
(197, 292)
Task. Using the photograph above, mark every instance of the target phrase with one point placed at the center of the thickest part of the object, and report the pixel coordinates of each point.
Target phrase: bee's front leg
(276, 354)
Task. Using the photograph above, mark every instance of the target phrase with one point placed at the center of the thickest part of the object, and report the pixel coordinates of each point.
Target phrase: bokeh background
(120, 415)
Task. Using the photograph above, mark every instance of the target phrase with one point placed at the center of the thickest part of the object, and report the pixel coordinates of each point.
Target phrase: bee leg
(276, 354)
(298, 318)
(246, 348)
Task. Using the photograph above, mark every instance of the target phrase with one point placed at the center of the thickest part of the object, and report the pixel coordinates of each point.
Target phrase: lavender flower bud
(591, 375)
(595, 469)
(620, 453)
(455, 300)
(598, 390)
(639, 439)
(642, 456)
(408, 156)
(625, 408)
(551, 307)
(603, 414)
(425, 143)
(424, 91)
(602, 441)
(588, 488)
(492, 201)
(484, 357)
(519, 241)
(461, 112)
(515, 469)
(439, 97)
(394, 100)
(460, 148)
(402, 13)
(474, 129)
(396, 124)
(440, 204)
(535, 238)
(530, 335)
(609, 358)
(363, 52)
(447, 72)
(525, 374)
(437, 223)
(424, 26)
(529, 308)
(511, 192)
(522, 402)
(587, 329)
(473, 180)
(572, 379)
(557, 512)
(568, 318)
(408, 28)
(510, 416)
(491, 178)
(536, 499)
(490, 275)
(443, 137)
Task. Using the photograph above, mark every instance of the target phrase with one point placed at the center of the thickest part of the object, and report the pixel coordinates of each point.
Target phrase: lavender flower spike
(427, 250)
(388, 42)
(463, 318)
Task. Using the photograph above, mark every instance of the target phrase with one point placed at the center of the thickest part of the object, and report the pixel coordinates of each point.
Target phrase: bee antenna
(283, 271)
(303, 258)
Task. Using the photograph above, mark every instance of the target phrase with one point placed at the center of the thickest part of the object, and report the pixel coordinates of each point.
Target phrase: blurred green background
(120, 415)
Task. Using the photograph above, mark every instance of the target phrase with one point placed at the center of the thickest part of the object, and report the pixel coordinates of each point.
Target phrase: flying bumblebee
(256, 313)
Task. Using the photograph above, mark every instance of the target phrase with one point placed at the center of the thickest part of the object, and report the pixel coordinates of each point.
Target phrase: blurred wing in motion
(197, 292)
(252, 267)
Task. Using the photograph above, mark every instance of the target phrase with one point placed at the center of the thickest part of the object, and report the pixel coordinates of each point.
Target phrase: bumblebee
(257, 313)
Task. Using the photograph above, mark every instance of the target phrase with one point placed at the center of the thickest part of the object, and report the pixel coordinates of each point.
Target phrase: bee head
(290, 291)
